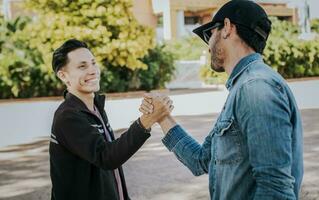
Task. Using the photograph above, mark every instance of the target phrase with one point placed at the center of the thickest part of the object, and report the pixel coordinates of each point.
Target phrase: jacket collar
(240, 67)
(99, 101)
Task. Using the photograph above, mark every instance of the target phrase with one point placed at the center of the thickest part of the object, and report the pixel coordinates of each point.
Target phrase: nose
(94, 70)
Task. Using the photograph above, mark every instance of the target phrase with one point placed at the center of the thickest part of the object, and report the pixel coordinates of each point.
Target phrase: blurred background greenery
(129, 57)
(126, 51)
(290, 56)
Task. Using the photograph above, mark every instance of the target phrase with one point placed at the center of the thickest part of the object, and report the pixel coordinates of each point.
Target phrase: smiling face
(81, 73)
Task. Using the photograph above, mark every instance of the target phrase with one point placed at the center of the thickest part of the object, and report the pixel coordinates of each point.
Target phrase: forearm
(193, 155)
(117, 152)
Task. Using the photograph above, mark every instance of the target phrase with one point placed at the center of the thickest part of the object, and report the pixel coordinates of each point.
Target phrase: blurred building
(174, 18)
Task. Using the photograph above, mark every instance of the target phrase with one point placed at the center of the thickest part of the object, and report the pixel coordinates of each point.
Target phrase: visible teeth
(92, 80)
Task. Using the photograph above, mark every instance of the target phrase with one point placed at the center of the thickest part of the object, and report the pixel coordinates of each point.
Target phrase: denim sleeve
(193, 155)
(263, 114)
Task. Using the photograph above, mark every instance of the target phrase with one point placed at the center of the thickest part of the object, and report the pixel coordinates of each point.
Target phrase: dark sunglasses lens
(207, 35)
(208, 32)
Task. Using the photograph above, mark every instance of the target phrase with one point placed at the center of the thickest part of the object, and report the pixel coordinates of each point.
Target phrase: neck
(234, 56)
(87, 98)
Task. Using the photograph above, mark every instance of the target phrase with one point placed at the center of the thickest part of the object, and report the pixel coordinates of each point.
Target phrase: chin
(91, 89)
(217, 69)
(96, 89)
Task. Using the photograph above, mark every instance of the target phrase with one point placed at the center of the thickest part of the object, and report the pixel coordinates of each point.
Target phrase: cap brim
(200, 30)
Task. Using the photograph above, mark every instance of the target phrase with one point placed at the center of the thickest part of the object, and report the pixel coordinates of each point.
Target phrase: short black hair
(60, 55)
(251, 38)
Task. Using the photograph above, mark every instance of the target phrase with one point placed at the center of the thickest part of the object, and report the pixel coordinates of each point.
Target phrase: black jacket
(81, 159)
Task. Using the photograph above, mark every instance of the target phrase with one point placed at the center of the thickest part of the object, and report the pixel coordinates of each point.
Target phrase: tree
(107, 26)
(124, 49)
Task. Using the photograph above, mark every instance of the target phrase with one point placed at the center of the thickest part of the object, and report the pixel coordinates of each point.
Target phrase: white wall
(22, 122)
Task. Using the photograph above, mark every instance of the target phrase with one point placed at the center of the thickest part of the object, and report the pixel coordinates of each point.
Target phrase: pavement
(153, 173)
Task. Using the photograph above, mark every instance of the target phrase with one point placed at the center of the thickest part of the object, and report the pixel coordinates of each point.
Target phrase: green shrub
(124, 49)
(20, 75)
(107, 26)
(186, 48)
(290, 56)
(315, 25)
(209, 76)
(160, 69)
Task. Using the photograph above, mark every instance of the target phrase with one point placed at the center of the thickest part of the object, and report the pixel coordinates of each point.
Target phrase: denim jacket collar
(240, 67)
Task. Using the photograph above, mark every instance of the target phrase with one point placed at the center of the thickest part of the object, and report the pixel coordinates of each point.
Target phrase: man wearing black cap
(85, 158)
(254, 150)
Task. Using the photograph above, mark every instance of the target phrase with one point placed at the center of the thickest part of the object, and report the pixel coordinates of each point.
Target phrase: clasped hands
(155, 107)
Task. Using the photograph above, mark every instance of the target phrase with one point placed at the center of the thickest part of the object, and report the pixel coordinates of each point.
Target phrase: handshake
(155, 108)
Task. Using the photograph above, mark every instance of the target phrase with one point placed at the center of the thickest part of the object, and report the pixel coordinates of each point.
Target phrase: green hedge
(290, 56)
(160, 70)
(315, 25)
(187, 48)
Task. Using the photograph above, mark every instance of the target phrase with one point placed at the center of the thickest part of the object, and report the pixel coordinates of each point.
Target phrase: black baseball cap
(244, 13)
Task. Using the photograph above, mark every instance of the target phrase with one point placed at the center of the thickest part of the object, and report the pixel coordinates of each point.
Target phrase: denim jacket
(255, 148)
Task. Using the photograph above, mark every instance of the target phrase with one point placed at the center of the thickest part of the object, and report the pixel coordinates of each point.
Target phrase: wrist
(167, 123)
(146, 122)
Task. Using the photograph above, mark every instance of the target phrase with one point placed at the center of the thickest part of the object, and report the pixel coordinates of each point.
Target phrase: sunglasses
(208, 32)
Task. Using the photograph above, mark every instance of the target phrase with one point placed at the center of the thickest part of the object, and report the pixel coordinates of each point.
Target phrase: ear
(63, 77)
(228, 28)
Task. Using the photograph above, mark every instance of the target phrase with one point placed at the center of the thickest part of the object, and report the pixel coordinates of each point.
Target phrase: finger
(148, 100)
(170, 102)
(166, 100)
(147, 104)
(158, 95)
(171, 107)
(163, 97)
(147, 109)
(142, 110)
(148, 95)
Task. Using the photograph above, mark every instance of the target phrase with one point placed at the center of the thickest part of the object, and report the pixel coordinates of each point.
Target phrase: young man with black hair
(85, 157)
(255, 149)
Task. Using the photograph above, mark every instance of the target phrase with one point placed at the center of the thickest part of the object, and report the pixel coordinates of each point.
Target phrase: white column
(167, 20)
(163, 6)
(180, 23)
(6, 9)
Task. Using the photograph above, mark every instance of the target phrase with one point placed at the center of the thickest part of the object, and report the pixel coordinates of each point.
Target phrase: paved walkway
(152, 174)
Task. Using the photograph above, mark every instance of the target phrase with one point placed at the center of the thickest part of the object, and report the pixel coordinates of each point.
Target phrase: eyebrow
(84, 62)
